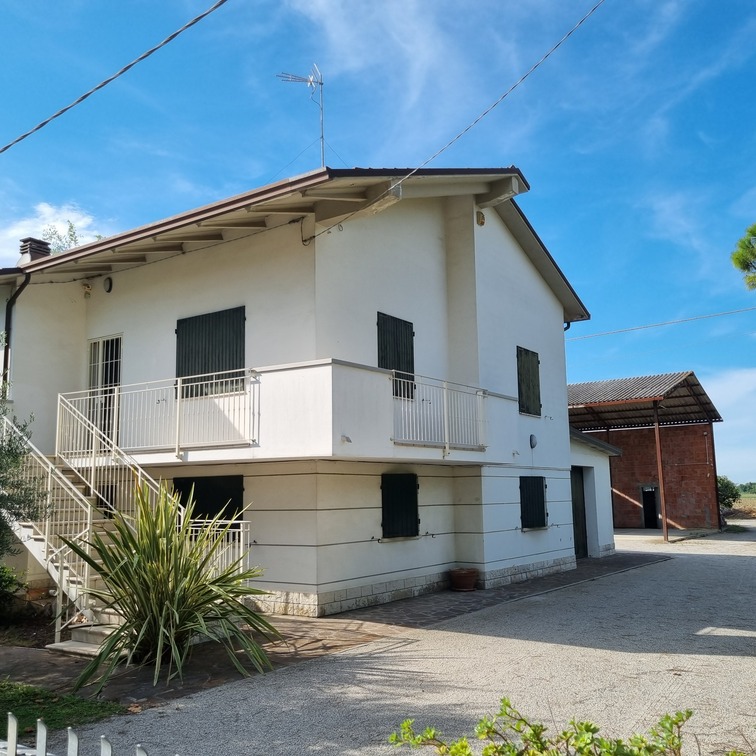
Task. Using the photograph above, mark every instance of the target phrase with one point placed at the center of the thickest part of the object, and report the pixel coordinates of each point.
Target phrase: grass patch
(59, 710)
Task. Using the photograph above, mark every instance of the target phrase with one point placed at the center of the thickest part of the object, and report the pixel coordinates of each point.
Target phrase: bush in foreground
(158, 569)
(509, 733)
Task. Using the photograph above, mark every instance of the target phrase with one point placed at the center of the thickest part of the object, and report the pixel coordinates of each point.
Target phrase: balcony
(327, 408)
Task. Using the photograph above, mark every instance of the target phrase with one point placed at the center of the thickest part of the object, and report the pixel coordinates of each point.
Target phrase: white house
(371, 360)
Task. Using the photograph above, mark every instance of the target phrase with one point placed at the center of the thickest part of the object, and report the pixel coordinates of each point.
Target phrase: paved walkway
(304, 638)
(619, 650)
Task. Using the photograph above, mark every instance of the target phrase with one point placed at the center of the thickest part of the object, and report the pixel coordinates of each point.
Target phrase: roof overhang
(670, 399)
(594, 443)
(323, 197)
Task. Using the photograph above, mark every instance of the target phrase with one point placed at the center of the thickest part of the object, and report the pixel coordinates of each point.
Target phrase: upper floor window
(528, 381)
(208, 348)
(396, 351)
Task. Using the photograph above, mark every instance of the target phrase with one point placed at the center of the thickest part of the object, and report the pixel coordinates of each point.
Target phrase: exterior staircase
(87, 480)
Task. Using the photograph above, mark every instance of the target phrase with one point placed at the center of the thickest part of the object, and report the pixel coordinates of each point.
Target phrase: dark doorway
(578, 513)
(650, 509)
(218, 494)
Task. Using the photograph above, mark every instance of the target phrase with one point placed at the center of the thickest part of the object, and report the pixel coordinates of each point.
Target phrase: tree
(728, 493)
(744, 257)
(61, 242)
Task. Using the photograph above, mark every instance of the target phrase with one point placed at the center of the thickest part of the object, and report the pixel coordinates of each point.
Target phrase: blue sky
(638, 138)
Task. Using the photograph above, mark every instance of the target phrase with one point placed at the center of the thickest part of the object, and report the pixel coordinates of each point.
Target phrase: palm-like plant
(160, 576)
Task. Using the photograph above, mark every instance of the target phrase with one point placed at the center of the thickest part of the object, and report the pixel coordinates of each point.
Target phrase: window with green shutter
(396, 351)
(210, 346)
(533, 501)
(528, 381)
(399, 505)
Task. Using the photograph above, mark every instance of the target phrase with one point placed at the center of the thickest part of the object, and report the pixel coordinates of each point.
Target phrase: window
(533, 501)
(396, 351)
(208, 347)
(218, 494)
(399, 504)
(528, 382)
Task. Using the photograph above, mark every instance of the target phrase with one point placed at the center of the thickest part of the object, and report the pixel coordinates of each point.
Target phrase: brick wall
(689, 475)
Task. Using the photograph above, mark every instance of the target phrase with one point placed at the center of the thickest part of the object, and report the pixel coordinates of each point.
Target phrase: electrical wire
(659, 325)
(112, 78)
(475, 122)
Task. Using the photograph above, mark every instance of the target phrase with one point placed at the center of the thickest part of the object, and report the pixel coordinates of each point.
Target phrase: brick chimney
(35, 248)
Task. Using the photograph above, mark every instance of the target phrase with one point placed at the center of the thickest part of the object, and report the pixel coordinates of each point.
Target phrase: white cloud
(734, 395)
(43, 216)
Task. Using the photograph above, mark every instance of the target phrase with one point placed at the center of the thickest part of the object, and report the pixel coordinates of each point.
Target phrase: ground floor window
(213, 495)
(399, 505)
(533, 501)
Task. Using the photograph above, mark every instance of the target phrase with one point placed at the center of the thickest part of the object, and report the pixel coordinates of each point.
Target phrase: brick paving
(422, 611)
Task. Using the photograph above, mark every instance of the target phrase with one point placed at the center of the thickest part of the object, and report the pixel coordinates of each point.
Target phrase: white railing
(112, 476)
(11, 747)
(204, 410)
(64, 513)
(431, 412)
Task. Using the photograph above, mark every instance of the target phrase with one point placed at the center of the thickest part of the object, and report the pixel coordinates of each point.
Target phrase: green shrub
(158, 575)
(728, 494)
(509, 733)
(9, 584)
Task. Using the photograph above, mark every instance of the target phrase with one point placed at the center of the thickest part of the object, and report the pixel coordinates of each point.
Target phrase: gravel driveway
(620, 650)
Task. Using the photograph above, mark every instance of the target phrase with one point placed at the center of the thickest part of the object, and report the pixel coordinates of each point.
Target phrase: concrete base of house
(345, 599)
(520, 572)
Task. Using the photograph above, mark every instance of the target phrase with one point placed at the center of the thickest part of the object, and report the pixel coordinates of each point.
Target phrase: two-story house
(371, 361)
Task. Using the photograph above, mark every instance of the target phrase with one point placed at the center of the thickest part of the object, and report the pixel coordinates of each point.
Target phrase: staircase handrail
(50, 553)
(101, 444)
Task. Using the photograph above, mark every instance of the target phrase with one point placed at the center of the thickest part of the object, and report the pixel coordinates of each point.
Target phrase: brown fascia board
(256, 196)
(515, 219)
(237, 202)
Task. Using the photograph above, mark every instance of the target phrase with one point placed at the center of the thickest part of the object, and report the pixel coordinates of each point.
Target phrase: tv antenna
(315, 82)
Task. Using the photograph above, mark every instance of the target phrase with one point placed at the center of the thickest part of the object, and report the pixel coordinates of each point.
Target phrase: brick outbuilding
(667, 475)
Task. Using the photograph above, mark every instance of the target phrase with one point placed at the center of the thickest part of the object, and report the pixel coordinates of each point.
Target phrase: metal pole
(660, 469)
(322, 127)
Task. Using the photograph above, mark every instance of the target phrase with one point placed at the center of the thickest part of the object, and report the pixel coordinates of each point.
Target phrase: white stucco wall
(47, 354)
(598, 497)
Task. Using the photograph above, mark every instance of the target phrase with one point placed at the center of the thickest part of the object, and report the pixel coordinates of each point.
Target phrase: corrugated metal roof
(629, 402)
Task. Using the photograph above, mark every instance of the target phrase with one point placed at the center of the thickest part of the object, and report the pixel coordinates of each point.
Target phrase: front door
(104, 381)
(578, 513)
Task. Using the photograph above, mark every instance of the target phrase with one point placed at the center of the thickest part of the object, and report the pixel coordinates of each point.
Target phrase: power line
(107, 81)
(475, 122)
(659, 325)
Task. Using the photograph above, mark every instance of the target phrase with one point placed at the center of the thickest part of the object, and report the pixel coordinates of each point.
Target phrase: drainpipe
(31, 250)
(8, 328)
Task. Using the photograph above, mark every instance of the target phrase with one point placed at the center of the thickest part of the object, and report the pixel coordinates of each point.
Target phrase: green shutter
(399, 505)
(533, 501)
(528, 381)
(396, 351)
(211, 343)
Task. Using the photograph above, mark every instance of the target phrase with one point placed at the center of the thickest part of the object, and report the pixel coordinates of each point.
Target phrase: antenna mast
(315, 82)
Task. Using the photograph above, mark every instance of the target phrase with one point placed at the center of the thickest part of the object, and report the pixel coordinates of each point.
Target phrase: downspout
(8, 329)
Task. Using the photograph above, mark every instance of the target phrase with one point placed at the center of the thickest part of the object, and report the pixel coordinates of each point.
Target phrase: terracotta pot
(463, 578)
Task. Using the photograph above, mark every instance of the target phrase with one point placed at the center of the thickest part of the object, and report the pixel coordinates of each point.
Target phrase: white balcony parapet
(432, 412)
(292, 402)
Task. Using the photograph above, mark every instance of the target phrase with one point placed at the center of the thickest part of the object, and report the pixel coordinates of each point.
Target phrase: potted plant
(463, 578)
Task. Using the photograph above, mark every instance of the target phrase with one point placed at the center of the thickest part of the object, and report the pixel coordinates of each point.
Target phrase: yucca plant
(160, 577)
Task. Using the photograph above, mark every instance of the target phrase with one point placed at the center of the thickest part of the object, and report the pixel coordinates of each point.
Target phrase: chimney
(36, 249)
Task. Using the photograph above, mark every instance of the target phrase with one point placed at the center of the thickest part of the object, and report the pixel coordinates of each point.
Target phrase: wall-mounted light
(480, 218)
(533, 441)
(107, 284)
